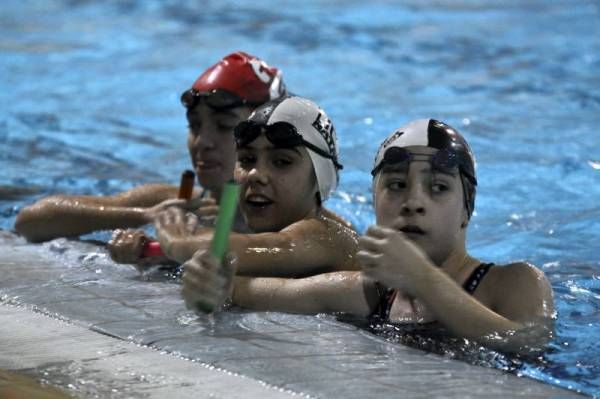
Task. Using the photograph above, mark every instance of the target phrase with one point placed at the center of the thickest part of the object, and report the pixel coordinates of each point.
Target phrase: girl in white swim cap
(292, 126)
(287, 165)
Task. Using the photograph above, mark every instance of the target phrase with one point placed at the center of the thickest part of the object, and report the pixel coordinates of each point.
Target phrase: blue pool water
(90, 104)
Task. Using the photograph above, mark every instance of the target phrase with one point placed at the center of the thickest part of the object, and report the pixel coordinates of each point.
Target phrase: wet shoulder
(515, 274)
(323, 227)
(342, 233)
(513, 283)
(335, 217)
(333, 239)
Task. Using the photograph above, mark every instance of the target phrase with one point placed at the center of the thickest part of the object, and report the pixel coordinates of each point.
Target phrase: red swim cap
(244, 75)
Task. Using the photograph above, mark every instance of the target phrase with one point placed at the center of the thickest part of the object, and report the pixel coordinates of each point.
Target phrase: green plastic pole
(225, 218)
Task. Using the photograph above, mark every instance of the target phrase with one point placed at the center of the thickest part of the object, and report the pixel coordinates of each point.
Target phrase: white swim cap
(294, 121)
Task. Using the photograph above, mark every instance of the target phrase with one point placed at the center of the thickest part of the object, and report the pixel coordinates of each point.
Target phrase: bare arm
(206, 284)
(518, 319)
(64, 216)
(310, 246)
(345, 292)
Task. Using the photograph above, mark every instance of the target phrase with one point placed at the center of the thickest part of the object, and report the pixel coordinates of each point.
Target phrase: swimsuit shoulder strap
(387, 296)
(476, 276)
(386, 299)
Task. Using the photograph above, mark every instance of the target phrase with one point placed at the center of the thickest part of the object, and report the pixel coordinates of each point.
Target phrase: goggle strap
(322, 153)
(195, 95)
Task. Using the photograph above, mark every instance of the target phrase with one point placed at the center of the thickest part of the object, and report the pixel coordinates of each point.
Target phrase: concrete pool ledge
(89, 364)
(70, 316)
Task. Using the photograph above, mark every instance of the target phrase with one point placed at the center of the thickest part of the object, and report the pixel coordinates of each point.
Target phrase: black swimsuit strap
(476, 276)
(387, 296)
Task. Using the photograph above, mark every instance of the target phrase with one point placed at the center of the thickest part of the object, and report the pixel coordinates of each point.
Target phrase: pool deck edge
(38, 344)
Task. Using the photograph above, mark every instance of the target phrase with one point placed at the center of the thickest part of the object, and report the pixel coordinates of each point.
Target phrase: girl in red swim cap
(222, 96)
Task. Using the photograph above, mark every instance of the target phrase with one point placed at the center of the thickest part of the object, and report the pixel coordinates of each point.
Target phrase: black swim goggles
(280, 134)
(217, 99)
(445, 161)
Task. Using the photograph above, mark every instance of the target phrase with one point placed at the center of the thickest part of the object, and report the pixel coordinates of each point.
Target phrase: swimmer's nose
(205, 142)
(414, 200)
(414, 203)
(412, 206)
(202, 140)
(258, 175)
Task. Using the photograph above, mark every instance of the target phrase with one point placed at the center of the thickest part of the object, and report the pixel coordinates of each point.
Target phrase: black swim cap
(435, 134)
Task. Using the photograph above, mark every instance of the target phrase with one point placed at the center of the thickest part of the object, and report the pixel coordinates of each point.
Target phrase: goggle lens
(217, 99)
(396, 155)
(280, 134)
(444, 160)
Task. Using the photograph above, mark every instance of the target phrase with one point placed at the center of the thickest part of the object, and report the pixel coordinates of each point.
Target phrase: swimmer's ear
(465, 221)
(374, 193)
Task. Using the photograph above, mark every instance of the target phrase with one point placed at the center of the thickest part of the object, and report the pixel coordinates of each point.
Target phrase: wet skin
(278, 185)
(418, 248)
(211, 144)
(212, 151)
(422, 203)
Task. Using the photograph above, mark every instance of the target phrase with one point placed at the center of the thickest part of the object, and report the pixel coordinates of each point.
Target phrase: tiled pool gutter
(70, 316)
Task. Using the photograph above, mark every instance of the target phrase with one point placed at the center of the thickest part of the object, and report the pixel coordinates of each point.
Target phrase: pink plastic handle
(152, 249)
